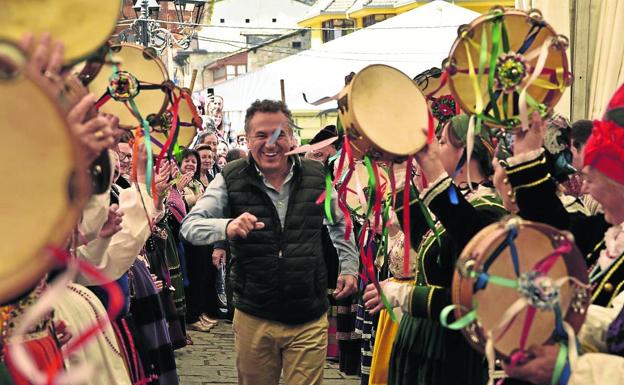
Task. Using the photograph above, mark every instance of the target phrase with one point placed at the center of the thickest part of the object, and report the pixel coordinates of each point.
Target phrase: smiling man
(265, 206)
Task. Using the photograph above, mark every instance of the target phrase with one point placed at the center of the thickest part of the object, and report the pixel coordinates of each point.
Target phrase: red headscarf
(605, 147)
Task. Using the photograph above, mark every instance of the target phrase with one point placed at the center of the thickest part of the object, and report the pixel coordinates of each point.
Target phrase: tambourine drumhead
(359, 181)
(82, 25)
(159, 138)
(45, 200)
(547, 89)
(146, 68)
(187, 130)
(386, 109)
(534, 242)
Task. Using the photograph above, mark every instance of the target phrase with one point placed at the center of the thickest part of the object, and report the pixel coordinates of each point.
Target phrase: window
(296, 44)
(335, 28)
(218, 73)
(374, 19)
(222, 21)
(231, 70)
(241, 69)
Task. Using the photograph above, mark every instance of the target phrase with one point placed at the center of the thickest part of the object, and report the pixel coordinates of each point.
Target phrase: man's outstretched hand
(242, 226)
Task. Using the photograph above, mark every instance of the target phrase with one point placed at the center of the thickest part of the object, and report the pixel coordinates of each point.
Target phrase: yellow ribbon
(475, 83)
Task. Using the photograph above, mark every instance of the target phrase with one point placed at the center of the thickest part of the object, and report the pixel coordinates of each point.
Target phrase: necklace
(97, 316)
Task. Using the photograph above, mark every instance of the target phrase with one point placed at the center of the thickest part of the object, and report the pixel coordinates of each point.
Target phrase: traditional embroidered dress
(79, 308)
(424, 351)
(387, 328)
(39, 341)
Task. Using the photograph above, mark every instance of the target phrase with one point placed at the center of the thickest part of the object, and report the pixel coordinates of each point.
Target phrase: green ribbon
(500, 281)
(328, 191)
(459, 324)
(148, 146)
(429, 220)
(562, 359)
(496, 37)
(505, 37)
(372, 185)
(388, 307)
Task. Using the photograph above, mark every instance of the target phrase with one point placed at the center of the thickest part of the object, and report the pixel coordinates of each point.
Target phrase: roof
(361, 4)
(320, 71)
(328, 7)
(220, 61)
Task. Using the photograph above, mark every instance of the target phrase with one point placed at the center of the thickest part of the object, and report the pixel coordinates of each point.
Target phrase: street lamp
(194, 8)
(151, 6)
(147, 11)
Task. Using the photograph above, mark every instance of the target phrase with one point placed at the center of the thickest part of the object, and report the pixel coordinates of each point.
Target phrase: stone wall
(279, 49)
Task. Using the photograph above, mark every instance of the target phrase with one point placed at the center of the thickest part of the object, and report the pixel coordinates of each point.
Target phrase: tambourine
(81, 25)
(506, 64)
(48, 188)
(189, 121)
(519, 283)
(135, 75)
(357, 192)
(383, 113)
(434, 85)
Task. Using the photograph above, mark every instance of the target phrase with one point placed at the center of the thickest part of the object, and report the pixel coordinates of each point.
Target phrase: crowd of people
(232, 231)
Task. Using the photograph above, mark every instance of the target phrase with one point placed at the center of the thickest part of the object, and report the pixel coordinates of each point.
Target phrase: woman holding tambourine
(424, 351)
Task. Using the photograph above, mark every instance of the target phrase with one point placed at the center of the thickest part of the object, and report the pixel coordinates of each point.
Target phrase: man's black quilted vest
(278, 274)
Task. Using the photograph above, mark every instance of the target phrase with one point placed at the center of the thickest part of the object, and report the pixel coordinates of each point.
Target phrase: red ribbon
(105, 98)
(406, 215)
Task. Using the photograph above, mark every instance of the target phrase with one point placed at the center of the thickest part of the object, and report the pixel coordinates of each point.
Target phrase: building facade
(330, 19)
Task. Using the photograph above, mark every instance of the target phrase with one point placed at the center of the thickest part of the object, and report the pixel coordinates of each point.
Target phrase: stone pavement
(211, 360)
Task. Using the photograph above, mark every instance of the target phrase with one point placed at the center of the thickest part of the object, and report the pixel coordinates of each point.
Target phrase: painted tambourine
(48, 187)
(506, 64)
(81, 25)
(518, 284)
(133, 79)
(384, 113)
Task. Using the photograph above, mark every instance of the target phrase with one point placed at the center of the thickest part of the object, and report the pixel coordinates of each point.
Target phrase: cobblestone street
(211, 360)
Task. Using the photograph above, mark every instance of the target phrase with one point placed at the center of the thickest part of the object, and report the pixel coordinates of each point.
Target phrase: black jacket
(278, 273)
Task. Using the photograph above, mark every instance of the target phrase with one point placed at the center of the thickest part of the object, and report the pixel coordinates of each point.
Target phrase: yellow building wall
(310, 123)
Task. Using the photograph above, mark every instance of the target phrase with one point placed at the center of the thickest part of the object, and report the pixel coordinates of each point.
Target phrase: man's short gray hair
(267, 105)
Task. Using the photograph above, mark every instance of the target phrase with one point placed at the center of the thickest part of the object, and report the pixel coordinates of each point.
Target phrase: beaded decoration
(511, 70)
(123, 86)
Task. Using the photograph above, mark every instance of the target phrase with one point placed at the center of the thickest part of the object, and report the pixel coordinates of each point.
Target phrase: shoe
(199, 326)
(207, 320)
(189, 341)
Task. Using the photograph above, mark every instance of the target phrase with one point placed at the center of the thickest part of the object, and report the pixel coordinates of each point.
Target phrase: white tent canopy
(412, 42)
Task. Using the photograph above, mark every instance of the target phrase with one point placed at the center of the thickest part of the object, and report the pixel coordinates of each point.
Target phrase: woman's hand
(533, 138)
(218, 257)
(161, 181)
(184, 181)
(429, 161)
(372, 298)
(113, 223)
(95, 134)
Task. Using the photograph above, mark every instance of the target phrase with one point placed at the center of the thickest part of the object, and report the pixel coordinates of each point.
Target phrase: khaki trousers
(264, 348)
